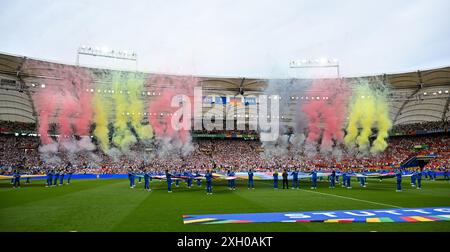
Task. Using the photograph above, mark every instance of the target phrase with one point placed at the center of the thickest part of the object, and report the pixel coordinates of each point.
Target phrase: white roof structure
(415, 96)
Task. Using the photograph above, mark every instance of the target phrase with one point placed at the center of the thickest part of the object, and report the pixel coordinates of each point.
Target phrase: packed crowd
(424, 126)
(226, 132)
(8, 126)
(22, 152)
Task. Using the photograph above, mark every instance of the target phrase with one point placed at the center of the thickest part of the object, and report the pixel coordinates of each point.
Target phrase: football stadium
(107, 149)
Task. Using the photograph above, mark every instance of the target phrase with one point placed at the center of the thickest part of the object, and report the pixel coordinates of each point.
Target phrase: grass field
(110, 205)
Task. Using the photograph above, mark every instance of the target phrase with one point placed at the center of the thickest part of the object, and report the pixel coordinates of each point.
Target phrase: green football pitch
(110, 205)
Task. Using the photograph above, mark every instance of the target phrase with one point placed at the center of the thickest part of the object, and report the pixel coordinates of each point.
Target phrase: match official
(285, 179)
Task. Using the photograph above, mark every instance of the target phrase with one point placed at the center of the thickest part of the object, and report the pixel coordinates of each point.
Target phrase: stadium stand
(237, 154)
(419, 101)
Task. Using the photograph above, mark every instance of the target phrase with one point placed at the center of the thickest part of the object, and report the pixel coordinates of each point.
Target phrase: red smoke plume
(326, 110)
(66, 96)
(160, 109)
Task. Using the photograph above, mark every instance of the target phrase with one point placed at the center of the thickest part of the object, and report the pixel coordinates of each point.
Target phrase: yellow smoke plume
(384, 125)
(368, 109)
(122, 136)
(135, 86)
(101, 114)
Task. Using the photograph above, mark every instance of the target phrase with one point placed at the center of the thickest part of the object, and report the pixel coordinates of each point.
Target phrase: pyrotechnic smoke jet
(162, 114)
(369, 110)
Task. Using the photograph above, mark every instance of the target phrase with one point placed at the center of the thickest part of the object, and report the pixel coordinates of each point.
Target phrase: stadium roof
(409, 99)
(11, 64)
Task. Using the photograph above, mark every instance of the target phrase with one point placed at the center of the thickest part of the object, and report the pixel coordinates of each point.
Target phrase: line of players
(15, 181)
(416, 179)
(55, 177)
(171, 178)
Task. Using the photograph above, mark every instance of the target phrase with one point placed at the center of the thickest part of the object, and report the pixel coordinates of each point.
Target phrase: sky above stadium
(254, 38)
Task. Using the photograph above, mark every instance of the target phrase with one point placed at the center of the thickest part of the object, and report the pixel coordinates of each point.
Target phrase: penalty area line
(339, 196)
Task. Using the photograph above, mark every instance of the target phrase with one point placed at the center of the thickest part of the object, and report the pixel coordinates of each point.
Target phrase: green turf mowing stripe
(110, 205)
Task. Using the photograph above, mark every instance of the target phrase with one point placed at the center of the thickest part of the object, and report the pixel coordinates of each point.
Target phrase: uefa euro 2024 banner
(366, 216)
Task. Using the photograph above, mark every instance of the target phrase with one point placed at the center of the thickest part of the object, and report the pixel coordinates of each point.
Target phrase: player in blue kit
(147, 177)
(16, 177)
(188, 180)
(140, 172)
(61, 177)
(169, 181)
(229, 180)
(69, 175)
(344, 179)
(177, 174)
(314, 179)
(362, 181)
(419, 179)
(49, 177)
(275, 180)
(233, 181)
(251, 183)
(55, 177)
(398, 176)
(332, 179)
(198, 176)
(131, 177)
(208, 177)
(413, 178)
(28, 178)
(295, 183)
(365, 178)
(348, 178)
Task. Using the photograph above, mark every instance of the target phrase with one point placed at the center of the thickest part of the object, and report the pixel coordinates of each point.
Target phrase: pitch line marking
(339, 196)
